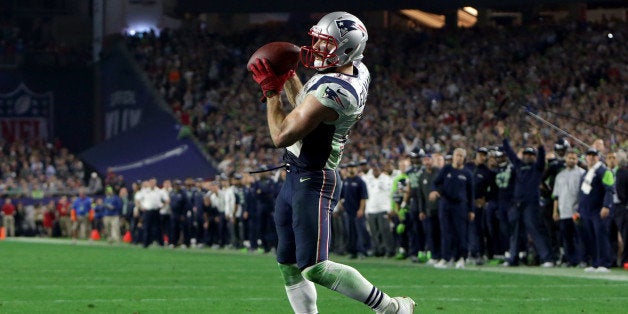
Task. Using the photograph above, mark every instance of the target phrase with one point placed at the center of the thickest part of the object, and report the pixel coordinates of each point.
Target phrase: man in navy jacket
(528, 174)
(596, 199)
(454, 187)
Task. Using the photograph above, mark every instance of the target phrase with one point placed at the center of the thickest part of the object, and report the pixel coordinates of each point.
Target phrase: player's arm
(406, 197)
(471, 196)
(286, 129)
(292, 87)
(437, 185)
(361, 208)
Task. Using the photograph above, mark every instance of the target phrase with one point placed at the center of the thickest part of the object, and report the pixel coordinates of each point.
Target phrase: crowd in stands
(431, 92)
(434, 89)
(34, 173)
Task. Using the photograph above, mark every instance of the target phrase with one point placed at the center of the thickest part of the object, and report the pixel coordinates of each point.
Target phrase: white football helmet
(337, 39)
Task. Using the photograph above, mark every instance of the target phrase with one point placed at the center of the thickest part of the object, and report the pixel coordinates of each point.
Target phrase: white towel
(588, 178)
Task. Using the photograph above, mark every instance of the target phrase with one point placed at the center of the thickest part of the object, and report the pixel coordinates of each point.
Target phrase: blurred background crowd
(432, 91)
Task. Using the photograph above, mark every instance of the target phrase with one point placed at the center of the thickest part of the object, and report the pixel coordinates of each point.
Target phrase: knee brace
(291, 274)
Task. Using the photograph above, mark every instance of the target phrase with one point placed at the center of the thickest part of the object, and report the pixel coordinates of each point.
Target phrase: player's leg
(312, 203)
(536, 229)
(514, 220)
(301, 292)
(446, 226)
(602, 244)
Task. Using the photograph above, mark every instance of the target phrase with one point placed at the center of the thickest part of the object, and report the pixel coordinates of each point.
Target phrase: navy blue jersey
(250, 199)
(455, 186)
(179, 202)
(353, 190)
(528, 176)
(621, 186)
(426, 183)
(596, 190)
(482, 179)
(113, 205)
(265, 192)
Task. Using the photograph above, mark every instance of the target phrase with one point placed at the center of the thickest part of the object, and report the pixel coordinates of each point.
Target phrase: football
(282, 56)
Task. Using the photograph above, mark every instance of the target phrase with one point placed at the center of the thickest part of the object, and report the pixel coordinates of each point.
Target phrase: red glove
(270, 83)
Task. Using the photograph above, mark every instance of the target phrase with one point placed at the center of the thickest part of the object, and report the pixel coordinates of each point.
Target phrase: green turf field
(53, 276)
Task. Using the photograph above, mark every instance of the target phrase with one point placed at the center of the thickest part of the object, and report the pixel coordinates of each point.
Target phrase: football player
(314, 134)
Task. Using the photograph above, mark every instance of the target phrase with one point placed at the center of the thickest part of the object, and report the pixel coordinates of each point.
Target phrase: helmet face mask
(337, 39)
(321, 54)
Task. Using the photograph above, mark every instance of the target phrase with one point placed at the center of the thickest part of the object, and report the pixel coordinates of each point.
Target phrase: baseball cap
(529, 151)
(592, 151)
(237, 176)
(482, 150)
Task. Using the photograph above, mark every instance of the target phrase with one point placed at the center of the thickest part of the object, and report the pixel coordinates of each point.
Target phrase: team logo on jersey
(346, 26)
(331, 94)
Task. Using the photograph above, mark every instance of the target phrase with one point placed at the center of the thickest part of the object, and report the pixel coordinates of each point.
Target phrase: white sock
(302, 297)
(348, 281)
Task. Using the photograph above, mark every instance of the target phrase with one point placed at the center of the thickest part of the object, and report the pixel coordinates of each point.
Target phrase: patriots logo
(331, 94)
(346, 26)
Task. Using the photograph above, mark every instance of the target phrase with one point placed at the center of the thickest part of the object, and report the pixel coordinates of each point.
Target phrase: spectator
(49, 218)
(377, 210)
(63, 215)
(483, 182)
(81, 207)
(596, 200)
(416, 235)
(428, 209)
(95, 186)
(526, 197)
(621, 209)
(454, 186)
(8, 217)
(353, 200)
(565, 193)
(111, 219)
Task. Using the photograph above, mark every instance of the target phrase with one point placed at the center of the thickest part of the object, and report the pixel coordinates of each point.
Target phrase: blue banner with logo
(126, 98)
(26, 115)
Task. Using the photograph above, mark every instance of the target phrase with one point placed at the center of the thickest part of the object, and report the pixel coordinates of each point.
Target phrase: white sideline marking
(60, 241)
(133, 300)
(616, 274)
